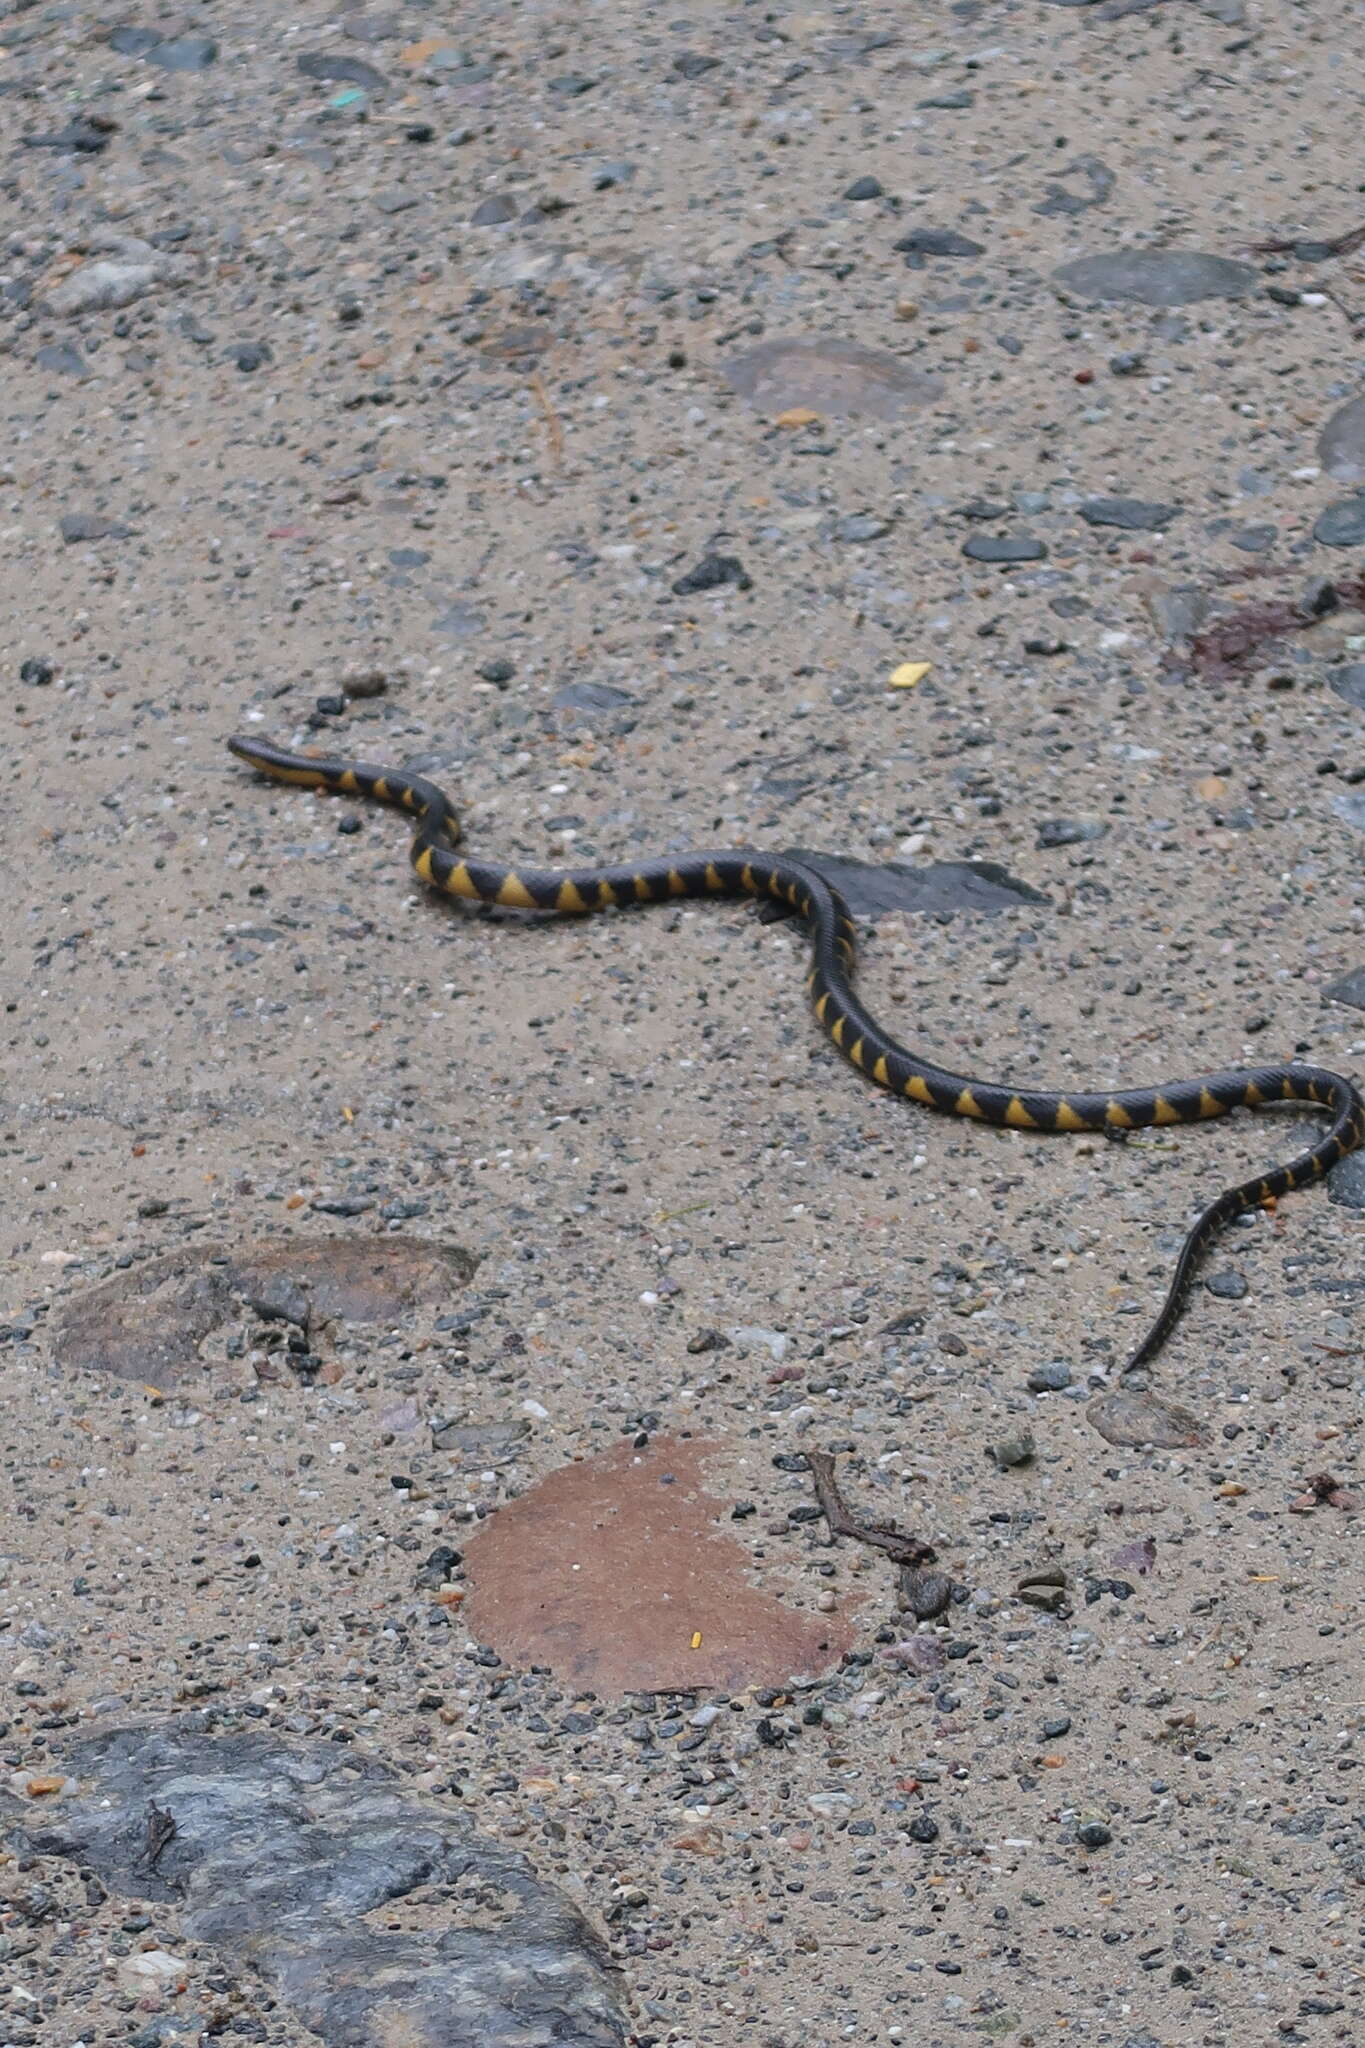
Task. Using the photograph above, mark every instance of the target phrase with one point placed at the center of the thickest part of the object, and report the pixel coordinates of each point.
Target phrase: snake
(797, 888)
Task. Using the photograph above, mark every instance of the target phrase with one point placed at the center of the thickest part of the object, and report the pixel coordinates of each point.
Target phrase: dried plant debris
(149, 1322)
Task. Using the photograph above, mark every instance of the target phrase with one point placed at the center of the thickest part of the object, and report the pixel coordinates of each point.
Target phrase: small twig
(900, 1547)
(552, 419)
(160, 1829)
(1336, 245)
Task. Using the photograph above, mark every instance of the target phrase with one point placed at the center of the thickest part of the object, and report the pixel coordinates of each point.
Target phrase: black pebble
(331, 707)
(37, 671)
(497, 669)
(493, 213)
(1093, 1834)
(348, 823)
(1228, 1286)
(710, 573)
(250, 355)
(864, 188)
(1004, 547)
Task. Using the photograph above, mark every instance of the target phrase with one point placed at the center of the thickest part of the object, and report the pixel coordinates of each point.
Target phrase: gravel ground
(405, 351)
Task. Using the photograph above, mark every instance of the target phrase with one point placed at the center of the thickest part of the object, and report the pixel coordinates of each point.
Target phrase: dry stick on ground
(1336, 245)
(842, 1521)
(552, 419)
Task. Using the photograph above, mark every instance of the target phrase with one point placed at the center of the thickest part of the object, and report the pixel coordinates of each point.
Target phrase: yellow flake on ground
(908, 674)
(796, 416)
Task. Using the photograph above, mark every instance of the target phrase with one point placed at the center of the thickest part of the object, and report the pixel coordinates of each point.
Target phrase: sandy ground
(475, 459)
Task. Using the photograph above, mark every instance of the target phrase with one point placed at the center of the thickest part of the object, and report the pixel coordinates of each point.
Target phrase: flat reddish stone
(609, 1568)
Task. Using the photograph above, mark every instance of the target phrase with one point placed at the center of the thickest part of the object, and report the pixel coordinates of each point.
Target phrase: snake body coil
(857, 1035)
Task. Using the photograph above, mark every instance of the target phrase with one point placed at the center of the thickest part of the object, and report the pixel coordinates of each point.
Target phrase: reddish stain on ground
(609, 1569)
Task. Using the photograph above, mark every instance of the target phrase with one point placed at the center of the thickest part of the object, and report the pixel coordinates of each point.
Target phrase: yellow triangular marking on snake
(514, 894)
(1064, 1118)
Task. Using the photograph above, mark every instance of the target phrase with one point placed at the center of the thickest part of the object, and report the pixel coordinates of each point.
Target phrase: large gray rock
(278, 1852)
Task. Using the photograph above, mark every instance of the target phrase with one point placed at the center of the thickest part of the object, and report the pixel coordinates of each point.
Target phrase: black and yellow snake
(858, 1036)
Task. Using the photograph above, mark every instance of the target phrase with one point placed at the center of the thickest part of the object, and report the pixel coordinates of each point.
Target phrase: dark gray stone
(865, 188)
(1004, 547)
(950, 102)
(1133, 515)
(1228, 1286)
(278, 1853)
(459, 621)
(710, 573)
(335, 67)
(589, 698)
(481, 1443)
(184, 53)
(1350, 989)
(64, 357)
(942, 888)
(131, 40)
(1254, 540)
(1342, 525)
(494, 212)
(1350, 808)
(922, 242)
(1341, 444)
(1069, 831)
(1054, 1378)
(694, 64)
(857, 526)
(1181, 610)
(1346, 1182)
(80, 137)
(571, 86)
(78, 526)
(1349, 682)
(1157, 277)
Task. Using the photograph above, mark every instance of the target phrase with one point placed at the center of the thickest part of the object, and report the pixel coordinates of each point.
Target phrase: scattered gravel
(444, 352)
